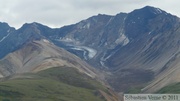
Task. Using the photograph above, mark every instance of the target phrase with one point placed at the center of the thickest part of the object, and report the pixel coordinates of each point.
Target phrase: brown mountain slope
(169, 75)
(39, 55)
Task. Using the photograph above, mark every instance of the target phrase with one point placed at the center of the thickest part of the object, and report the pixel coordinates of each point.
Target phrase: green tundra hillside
(55, 84)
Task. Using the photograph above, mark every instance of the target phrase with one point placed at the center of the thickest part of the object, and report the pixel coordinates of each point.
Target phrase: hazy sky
(56, 13)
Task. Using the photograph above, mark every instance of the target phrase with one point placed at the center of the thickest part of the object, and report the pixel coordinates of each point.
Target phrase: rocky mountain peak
(141, 21)
(31, 26)
(5, 28)
(148, 11)
(3, 24)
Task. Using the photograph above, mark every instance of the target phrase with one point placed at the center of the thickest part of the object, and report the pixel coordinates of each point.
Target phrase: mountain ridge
(138, 45)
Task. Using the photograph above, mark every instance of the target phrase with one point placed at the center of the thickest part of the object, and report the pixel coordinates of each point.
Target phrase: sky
(57, 13)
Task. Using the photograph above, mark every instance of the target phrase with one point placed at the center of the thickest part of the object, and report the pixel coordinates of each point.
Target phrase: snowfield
(89, 53)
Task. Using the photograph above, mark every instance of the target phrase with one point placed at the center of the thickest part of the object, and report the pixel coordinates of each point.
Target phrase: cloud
(56, 13)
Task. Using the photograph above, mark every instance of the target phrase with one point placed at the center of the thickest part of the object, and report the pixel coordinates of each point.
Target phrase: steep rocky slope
(154, 42)
(169, 75)
(133, 46)
(39, 55)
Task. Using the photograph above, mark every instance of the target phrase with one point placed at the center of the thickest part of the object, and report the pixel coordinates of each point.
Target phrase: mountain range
(128, 52)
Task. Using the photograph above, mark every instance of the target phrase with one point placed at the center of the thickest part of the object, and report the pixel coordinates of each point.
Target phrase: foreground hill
(54, 84)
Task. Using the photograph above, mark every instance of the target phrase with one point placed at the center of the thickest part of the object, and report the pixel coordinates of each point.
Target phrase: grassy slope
(173, 89)
(55, 84)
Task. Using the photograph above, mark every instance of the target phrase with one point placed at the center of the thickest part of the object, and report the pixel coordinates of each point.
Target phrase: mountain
(50, 69)
(136, 51)
(135, 45)
(153, 43)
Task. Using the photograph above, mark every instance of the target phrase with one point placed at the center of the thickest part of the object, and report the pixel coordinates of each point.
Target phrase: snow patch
(103, 64)
(76, 48)
(149, 33)
(87, 25)
(133, 22)
(126, 41)
(84, 25)
(8, 30)
(4, 37)
(124, 18)
(122, 40)
(104, 58)
(92, 52)
(66, 39)
(88, 74)
(89, 53)
(110, 20)
(46, 41)
(158, 11)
